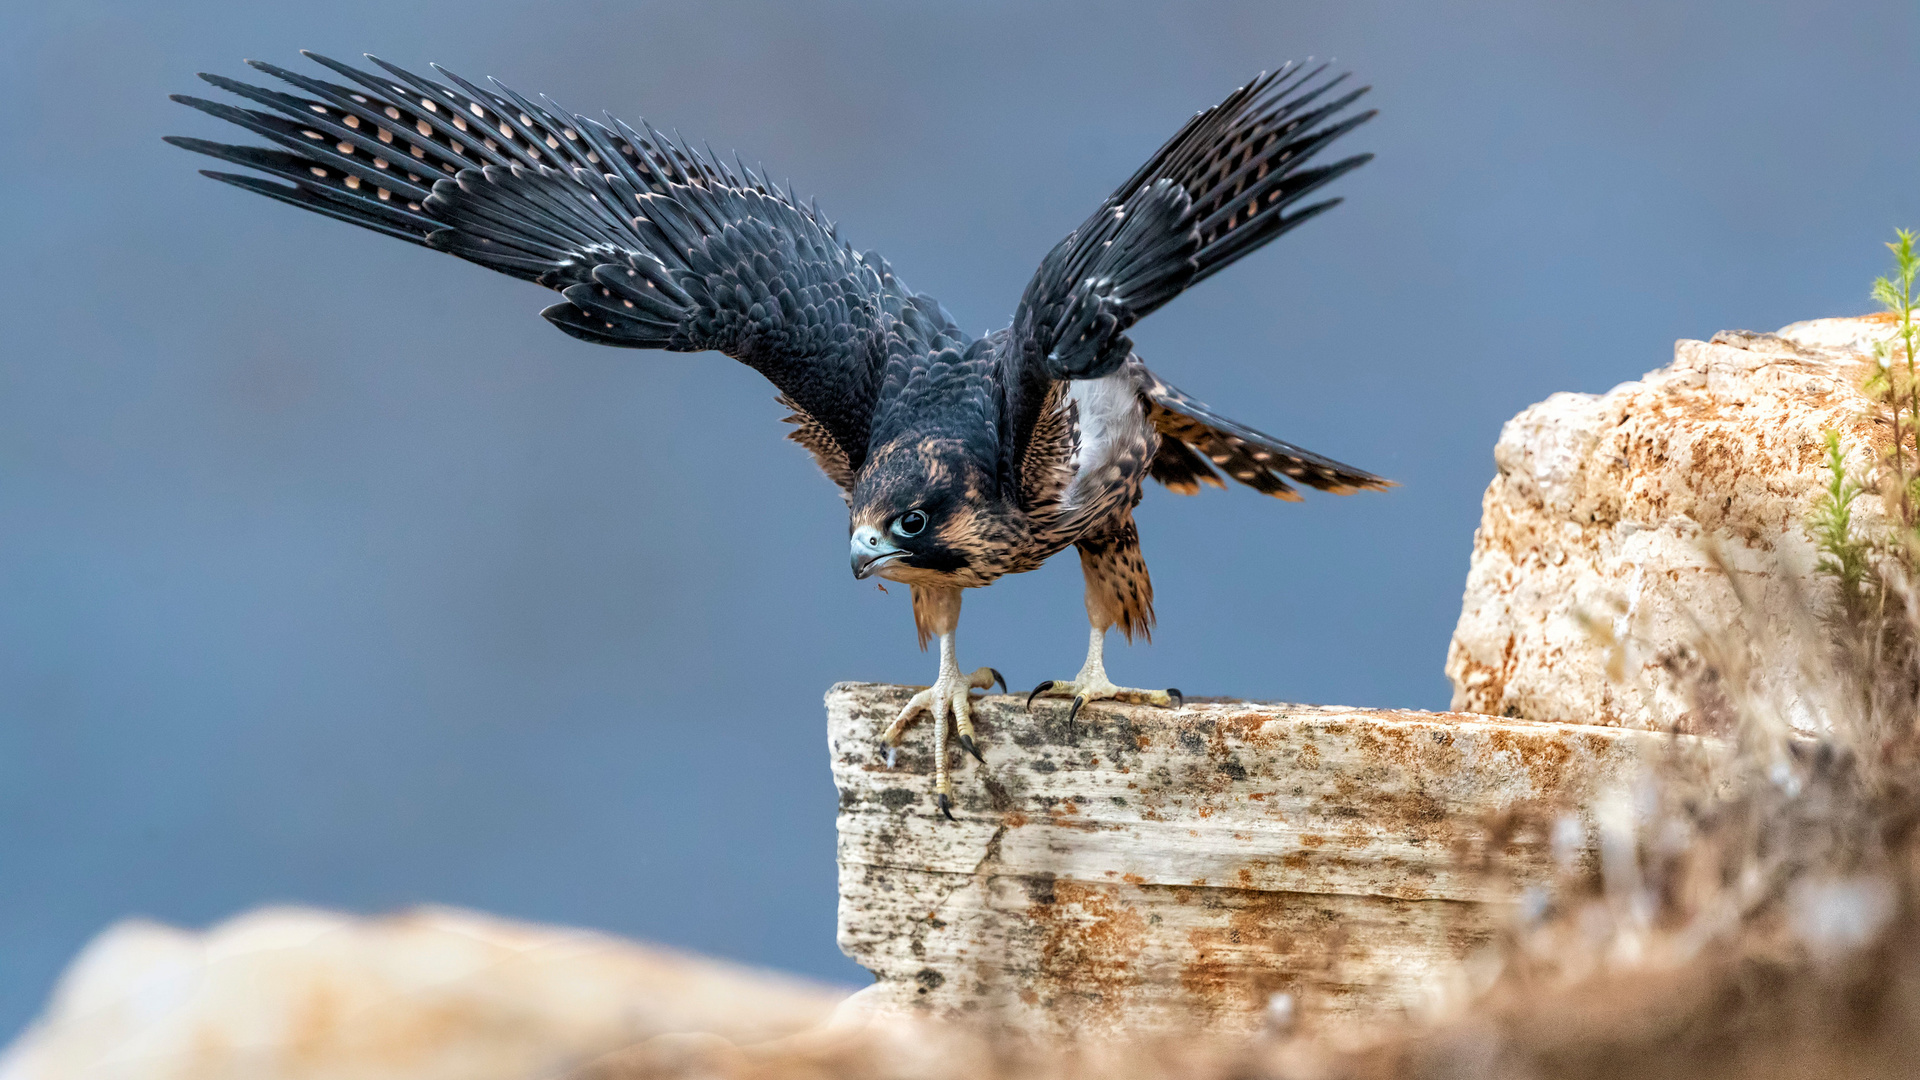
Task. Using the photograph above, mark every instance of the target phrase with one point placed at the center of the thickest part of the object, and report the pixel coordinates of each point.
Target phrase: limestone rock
(1598, 527)
(1154, 868)
(433, 993)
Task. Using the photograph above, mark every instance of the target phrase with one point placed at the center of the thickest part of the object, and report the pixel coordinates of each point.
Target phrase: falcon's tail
(1191, 435)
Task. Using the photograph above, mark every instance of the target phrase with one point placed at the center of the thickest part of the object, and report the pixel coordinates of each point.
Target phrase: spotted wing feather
(653, 244)
(1226, 184)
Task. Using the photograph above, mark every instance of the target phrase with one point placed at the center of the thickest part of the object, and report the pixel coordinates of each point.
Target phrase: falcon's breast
(1093, 460)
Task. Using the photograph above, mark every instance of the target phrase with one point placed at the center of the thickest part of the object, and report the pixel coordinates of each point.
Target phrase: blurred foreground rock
(1158, 869)
(430, 994)
(1598, 526)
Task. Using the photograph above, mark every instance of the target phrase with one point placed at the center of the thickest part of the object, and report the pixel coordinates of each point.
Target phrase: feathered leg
(937, 612)
(1119, 592)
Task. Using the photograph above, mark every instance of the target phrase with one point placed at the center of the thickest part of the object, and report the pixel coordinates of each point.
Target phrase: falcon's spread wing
(1216, 191)
(653, 244)
(1191, 435)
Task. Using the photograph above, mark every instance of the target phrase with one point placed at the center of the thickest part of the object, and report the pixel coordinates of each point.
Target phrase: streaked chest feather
(1112, 442)
(1114, 436)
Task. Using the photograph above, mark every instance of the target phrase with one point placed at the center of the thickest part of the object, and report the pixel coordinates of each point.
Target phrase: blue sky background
(331, 573)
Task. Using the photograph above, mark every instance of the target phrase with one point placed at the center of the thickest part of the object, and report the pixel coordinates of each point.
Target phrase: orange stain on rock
(1090, 946)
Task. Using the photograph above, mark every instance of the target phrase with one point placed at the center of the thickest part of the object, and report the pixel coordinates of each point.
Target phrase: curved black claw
(1179, 699)
(999, 678)
(966, 743)
(1074, 710)
(946, 806)
(1037, 691)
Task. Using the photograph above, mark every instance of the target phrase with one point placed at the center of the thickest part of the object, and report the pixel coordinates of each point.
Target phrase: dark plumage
(961, 458)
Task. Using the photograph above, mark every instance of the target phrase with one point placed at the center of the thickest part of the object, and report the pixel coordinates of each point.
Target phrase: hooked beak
(871, 551)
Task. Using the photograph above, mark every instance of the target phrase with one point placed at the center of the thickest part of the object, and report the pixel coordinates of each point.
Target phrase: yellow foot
(950, 695)
(1097, 688)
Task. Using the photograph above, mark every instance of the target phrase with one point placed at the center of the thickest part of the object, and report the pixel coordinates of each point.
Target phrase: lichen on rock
(1158, 869)
(1608, 534)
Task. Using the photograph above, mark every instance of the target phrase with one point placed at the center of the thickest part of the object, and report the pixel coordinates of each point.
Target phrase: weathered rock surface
(1598, 526)
(1156, 868)
(289, 993)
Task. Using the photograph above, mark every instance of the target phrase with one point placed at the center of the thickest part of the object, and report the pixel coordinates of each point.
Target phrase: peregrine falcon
(960, 458)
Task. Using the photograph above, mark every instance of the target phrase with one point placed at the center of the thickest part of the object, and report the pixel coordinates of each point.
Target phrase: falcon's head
(925, 512)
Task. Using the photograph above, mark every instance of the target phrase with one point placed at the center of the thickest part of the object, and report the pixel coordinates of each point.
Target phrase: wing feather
(1225, 185)
(652, 244)
(1228, 182)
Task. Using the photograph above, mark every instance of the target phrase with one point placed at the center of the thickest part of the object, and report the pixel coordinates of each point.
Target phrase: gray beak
(871, 551)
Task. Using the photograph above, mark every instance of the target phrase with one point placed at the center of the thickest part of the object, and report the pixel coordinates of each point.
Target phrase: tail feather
(1251, 457)
(1176, 465)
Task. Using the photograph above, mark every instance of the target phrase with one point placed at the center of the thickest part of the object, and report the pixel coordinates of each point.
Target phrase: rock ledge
(1156, 867)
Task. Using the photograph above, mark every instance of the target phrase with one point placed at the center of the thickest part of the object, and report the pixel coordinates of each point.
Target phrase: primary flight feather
(961, 459)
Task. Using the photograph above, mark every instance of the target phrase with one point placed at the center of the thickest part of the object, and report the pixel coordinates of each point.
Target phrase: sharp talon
(999, 678)
(893, 756)
(1075, 710)
(966, 743)
(1179, 699)
(946, 806)
(1048, 685)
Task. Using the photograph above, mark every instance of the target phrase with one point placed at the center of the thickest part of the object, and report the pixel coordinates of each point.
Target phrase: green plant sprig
(1896, 294)
(1842, 555)
(1852, 559)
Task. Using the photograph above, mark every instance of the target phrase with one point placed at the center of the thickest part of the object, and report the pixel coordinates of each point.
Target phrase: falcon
(960, 458)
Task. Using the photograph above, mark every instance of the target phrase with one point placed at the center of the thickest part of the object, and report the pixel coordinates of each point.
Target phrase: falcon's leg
(937, 611)
(1118, 592)
(1092, 684)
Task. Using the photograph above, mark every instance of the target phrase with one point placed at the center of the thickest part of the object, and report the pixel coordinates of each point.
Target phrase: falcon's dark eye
(910, 523)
